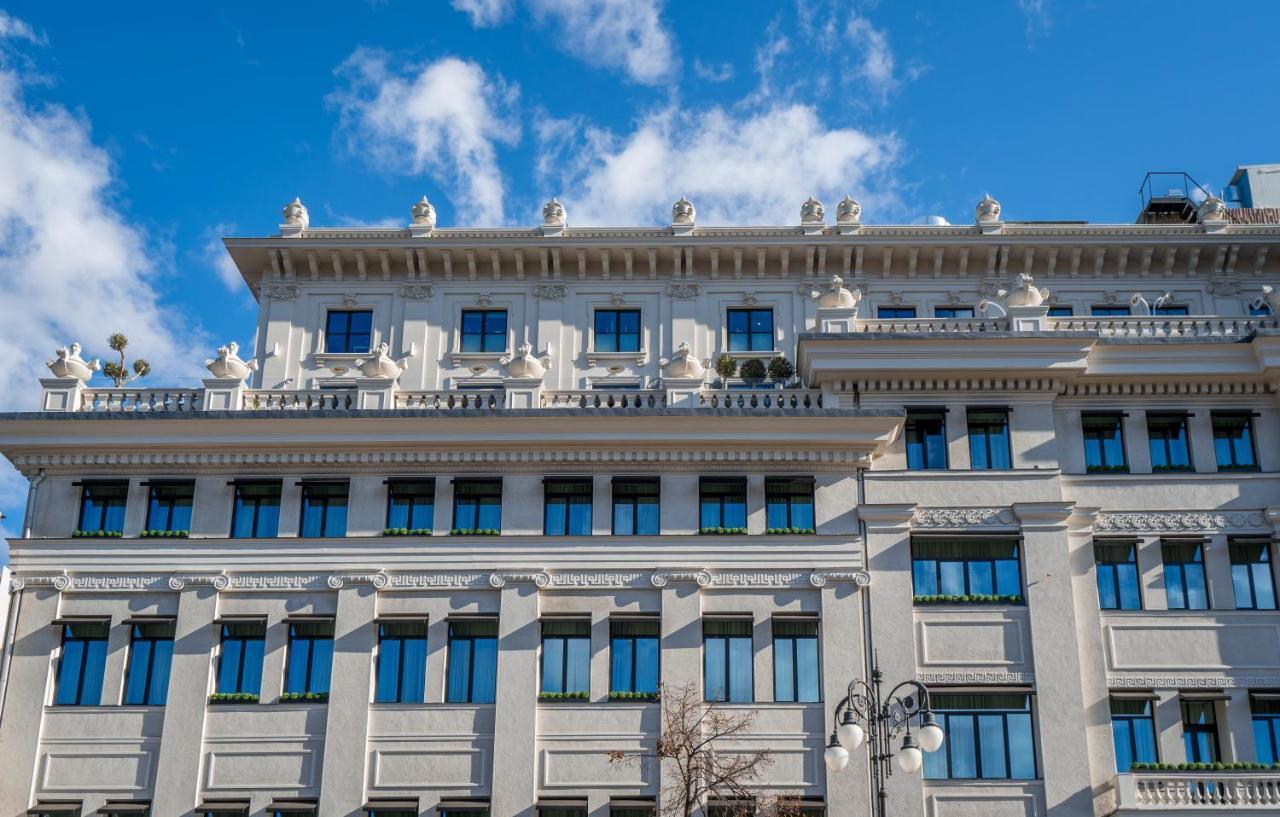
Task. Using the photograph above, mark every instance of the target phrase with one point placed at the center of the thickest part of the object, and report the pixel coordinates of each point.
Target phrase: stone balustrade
(1157, 326)
(1199, 791)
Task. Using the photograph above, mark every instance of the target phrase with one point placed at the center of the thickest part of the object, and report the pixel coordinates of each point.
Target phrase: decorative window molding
(1162, 521)
(964, 518)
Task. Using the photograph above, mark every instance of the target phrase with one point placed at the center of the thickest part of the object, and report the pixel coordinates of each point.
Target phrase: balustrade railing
(286, 400)
(929, 326)
(463, 400)
(1226, 790)
(764, 399)
(1165, 326)
(126, 399)
(604, 398)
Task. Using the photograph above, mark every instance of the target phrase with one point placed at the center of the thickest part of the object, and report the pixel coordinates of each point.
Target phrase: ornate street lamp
(864, 713)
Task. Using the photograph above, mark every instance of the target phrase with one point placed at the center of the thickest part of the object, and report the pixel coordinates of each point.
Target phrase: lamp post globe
(851, 734)
(909, 756)
(930, 734)
(836, 756)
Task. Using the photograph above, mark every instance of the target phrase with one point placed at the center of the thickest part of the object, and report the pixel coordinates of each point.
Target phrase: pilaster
(35, 639)
(347, 720)
(681, 647)
(1217, 572)
(222, 394)
(514, 785)
(1238, 744)
(1168, 718)
(842, 662)
(756, 513)
(1151, 573)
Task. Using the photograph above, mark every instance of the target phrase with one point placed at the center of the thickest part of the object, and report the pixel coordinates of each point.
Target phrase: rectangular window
(1103, 442)
(1251, 575)
(310, 657)
(348, 331)
(1169, 309)
(566, 656)
(146, 681)
(989, 737)
(953, 312)
(617, 330)
(1117, 572)
(1200, 731)
(566, 507)
(989, 439)
(795, 660)
(1133, 728)
(633, 656)
(1184, 581)
(483, 330)
(966, 567)
(1061, 312)
(562, 810)
(461, 810)
(894, 312)
(402, 662)
(636, 506)
(1167, 439)
(1266, 728)
(728, 674)
(722, 503)
(82, 663)
(473, 662)
(1108, 311)
(324, 509)
(240, 659)
(789, 504)
(102, 506)
(1233, 441)
(477, 504)
(926, 437)
(411, 504)
(169, 506)
(632, 810)
(750, 330)
(256, 512)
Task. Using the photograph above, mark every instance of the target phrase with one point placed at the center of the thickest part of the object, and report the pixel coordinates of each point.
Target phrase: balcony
(1188, 793)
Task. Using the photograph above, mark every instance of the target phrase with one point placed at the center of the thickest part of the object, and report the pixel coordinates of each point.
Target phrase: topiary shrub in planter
(753, 370)
(780, 369)
(726, 367)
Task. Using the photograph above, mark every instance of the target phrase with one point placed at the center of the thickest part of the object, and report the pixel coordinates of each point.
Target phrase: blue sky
(133, 135)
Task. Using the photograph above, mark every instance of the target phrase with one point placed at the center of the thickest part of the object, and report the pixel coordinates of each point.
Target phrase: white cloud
(11, 28)
(738, 167)
(216, 256)
(876, 62)
(1037, 16)
(484, 13)
(442, 119)
(623, 34)
(713, 73)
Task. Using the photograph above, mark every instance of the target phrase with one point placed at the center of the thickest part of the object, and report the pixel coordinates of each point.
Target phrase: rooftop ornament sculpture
(1269, 298)
(295, 214)
(812, 212)
(524, 366)
(424, 215)
(682, 365)
(553, 214)
(68, 363)
(837, 296)
(228, 365)
(1212, 209)
(988, 210)
(381, 364)
(683, 212)
(848, 211)
(1025, 293)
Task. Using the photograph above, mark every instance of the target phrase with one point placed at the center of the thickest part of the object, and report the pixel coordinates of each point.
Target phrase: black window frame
(617, 333)
(914, 434)
(473, 496)
(1130, 719)
(86, 489)
(401, 485)
(1111, 566)
(1160, 422)
(238, 500)
(345, 332)
(721, 490)
(567, 491)
(311, 493)
(1236, 547)
(710, 622)
(980, 430)
(943, 714)
(169, 495)
(453, 636)
(750, 312)
(1167, 549)
(953, 308)
(1210, 729)
(1104, 467)
(577, 629)
(1245, 420)
(484, 334)
(617, 624)
(908, 312)
(781, 623)
(923, 542)
(643, 484)
(790, 492)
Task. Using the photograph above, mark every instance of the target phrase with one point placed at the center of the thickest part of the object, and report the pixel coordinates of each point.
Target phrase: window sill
(640, 357)
(468, 358)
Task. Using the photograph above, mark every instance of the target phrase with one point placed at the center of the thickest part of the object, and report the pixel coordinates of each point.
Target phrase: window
(635, 507)
(727, 660)
(310, 657)
(1260, 311)
(411, 504)
(324, 509)
(566, 656)
(169, 506)
(1167, 439)
(1233, 441)
(1117, 571)
(562, 810)
(891, 312)
(1184, 575)
(1200, 731)
(102, 506)
(402, 662)
(256, 513)
(1133, 728)
(750, 330)
(1061, 312)
(1251, 575)
(82, 663)
(473, 662)
(795, 660)
(989, 439)
(617, 330)
(240, 659)
(484, 330)
(988, 737)
(349, 331)
(632, 809)
(1108, 311)
(722, 503)
(789, 504)
(461, 810)
(391, 808)
(633, 656)
(1266, 727)
(926, 435)
(953, 312)
(965, 567)
(1103, 442)
(477, 504)
(1169, 309)
(146, 681)
(566, 507)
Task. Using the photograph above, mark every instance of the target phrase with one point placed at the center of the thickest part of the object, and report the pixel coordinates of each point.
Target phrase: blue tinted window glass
(1022, 756)
(991, 739)
(750, 330)
(150, 654)
(647, 659)
(952, 578)
(924, 577)
(963, 746)
(892, 312)
(389, 655)
(981, 578)
(82, 664)
(484, 684)
(553, 665)
(740, 670)
(621, 656)
(457, 687)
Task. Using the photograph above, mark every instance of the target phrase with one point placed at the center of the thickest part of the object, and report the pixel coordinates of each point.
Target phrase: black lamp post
(865, 713)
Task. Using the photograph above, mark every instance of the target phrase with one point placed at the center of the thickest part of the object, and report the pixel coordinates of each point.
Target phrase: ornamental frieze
(963, 518)
(1177, 520)
(943, 678)
(1189, 681)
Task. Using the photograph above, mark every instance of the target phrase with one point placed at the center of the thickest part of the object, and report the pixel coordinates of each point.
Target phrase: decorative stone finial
(1270, 297)
(524, 365)
(682, 364)
(1025, 294)
(553, 214)
(424, 215)
(68, 363)
(228, 364)
(381, 364)
(1211, 209)
(837, 296)
(988, 210)
(812, 212)
(1138, 305)
(295, 214)
(848, 211)
(683, 212)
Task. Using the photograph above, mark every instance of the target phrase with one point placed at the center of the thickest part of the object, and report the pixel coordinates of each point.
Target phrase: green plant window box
(406, 532)
(633, 696)
(790, 531)
(1107, 469)
(722, 531)
(304, 697)
(234, 698)
(973, 599)
(579, 695)
(164, 534)
(475, 532)
(96, 534)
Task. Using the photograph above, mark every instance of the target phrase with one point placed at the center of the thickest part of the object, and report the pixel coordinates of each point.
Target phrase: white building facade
(477, 495)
